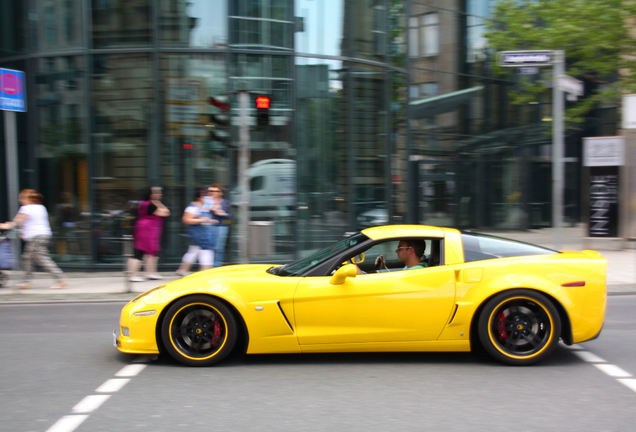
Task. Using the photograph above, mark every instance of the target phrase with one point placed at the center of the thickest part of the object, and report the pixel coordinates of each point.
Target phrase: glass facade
(382, 111)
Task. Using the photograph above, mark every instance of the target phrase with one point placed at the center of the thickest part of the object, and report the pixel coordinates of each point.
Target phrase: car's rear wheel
(519, 327)
(199, 330)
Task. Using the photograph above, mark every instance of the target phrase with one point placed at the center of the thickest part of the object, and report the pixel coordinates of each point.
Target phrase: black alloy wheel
(519, 327)
(199, 330)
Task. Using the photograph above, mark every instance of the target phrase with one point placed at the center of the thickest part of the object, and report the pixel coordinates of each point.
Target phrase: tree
(598, 37)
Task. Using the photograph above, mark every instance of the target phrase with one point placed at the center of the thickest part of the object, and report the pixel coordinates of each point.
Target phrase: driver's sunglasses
(214, 190)
(403, 247)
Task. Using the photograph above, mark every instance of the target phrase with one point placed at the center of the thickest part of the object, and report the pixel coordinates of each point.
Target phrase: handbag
(7, 260)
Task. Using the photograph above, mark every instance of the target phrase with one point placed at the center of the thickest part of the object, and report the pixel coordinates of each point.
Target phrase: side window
(257, 183)
(430, 258)
(479, 247)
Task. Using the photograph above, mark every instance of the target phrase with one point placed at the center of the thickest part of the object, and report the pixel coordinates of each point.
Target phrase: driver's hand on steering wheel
(380, 263)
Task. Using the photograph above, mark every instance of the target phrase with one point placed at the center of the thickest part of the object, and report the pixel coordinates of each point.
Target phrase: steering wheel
(358, 259)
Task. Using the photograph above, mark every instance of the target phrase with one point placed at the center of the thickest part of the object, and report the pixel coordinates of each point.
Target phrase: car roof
(390, 231)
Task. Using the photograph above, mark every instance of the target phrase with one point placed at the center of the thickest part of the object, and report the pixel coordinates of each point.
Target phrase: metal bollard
(127, 253)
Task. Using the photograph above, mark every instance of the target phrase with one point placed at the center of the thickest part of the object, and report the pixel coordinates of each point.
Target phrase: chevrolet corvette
(511, 300)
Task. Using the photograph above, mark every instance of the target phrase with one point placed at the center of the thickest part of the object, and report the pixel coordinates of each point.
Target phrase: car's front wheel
(199, 330)
(519, 327)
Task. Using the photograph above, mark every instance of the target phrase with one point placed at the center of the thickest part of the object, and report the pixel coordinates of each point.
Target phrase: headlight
(145, 293)
(145, 313)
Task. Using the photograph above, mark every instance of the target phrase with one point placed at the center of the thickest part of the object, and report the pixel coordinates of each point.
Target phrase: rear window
(479, 247)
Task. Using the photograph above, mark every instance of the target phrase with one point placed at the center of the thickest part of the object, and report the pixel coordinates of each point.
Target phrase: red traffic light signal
(262, 110)
(262, 102)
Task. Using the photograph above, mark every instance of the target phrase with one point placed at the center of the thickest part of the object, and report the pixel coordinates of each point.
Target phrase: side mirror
(344, 272)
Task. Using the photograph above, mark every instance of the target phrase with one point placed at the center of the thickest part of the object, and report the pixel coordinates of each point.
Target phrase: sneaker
(24, 286)
(154, 277)
(180, 273)
(136, 279)
(59, 284)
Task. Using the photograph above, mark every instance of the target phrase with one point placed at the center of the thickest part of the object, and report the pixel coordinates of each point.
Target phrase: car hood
(231, 271)
(237, 284)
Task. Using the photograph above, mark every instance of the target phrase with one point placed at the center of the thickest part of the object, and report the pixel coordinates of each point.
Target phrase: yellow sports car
(388, 288)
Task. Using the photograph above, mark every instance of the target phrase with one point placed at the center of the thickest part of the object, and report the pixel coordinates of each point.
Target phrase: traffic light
(262, 110)
(219, 122)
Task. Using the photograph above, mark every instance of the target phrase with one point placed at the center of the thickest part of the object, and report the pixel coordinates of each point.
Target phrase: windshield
(301, 266)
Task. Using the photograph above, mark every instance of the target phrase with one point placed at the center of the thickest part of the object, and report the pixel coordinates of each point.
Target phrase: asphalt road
(55, 356)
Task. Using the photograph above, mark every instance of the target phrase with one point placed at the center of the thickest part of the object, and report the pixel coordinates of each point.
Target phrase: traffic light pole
(244, 197)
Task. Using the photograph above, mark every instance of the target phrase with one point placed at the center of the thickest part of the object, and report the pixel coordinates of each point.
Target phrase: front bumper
(136, 333)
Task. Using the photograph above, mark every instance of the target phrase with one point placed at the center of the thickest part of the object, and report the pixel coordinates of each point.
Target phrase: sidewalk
(104, 286)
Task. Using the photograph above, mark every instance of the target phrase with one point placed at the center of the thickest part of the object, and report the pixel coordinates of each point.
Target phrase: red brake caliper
(501, 326)
(216, 333)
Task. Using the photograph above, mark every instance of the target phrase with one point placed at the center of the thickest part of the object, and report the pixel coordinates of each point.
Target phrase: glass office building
(382, 111)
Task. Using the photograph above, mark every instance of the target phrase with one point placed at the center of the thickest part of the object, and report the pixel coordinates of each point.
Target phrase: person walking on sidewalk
(220, 211)
(150, 216)
(199, 225)
(35, 230)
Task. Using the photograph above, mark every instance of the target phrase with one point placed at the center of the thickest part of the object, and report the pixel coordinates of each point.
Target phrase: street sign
(12, 90)
(629, 111)
(526, 58)
(604, 151)
(570, 85)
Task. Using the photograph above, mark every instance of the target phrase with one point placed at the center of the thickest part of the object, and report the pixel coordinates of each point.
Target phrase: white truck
(272, 184)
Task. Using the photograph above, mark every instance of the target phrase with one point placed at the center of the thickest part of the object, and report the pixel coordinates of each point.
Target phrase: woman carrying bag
(35, 230)
(199, 226)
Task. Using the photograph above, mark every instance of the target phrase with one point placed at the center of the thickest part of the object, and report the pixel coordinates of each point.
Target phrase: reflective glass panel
(191, 155)
(13, 28)
(319, 26)
(63, 155)
(196, 23)
(56, 24)
(121, 23)
(122, 108)
(261, 24)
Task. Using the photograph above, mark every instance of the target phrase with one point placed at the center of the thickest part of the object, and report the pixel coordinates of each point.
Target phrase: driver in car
(409, 252)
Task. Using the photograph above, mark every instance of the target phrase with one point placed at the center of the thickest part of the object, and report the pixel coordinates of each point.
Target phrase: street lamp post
(558, 70)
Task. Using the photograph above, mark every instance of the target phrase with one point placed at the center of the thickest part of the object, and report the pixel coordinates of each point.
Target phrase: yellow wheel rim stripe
(217, 313)
(496, 344)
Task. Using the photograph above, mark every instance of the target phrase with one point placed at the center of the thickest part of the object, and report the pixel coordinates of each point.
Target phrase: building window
(429, 89)
(413, 38)
(430, 34)
(414, 91)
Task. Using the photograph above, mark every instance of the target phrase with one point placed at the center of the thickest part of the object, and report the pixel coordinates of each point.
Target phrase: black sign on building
(603, 156)
(603, 202)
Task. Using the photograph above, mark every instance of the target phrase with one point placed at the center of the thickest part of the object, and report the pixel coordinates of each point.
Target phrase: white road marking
(130, 370)
(112, 385)
(589, 357)
(629, 382)
(67, 423)
(613, 371)
(621, 375)
(90, 404)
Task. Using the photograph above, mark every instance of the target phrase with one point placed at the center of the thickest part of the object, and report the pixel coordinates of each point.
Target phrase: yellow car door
(400, 306)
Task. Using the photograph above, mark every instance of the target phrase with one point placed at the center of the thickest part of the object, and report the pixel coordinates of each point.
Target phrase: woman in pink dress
(150, 216)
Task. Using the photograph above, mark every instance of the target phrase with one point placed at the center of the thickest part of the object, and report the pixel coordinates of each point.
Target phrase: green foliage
(598, 37)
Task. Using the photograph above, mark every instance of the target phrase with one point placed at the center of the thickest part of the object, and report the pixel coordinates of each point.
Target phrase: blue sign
(12, 90)
(525, 58)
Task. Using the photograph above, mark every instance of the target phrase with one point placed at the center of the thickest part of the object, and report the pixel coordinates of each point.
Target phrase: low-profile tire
(519, 327)
(199, 330)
